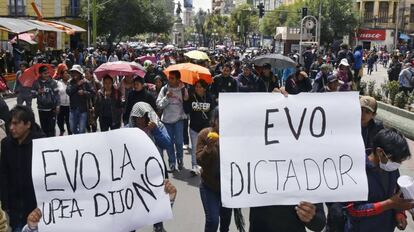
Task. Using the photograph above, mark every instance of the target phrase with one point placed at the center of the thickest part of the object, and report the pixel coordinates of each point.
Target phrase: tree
(243, 20)
(118, 18)
(338, 18)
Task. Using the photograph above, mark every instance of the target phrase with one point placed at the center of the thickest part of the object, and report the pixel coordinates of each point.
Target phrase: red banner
(371, 35)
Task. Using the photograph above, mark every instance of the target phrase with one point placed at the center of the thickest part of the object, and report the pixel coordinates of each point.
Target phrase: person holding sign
(385, 207)
(34, 217)
(298, 83)
(208, 157)
(16, 185)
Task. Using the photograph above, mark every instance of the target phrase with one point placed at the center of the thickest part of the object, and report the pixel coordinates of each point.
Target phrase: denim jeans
(215, 213)
(163, 141)
(78, 121)
(193, 137)
(175, 130)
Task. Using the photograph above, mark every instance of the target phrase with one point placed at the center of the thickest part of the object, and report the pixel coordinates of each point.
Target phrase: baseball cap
(369, 103)
(77, 68)
(344, 62)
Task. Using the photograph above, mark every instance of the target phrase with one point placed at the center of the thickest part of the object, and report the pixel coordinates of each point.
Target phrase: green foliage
(393, 88)
(371, 88)
(246, 17)
(338, 18)
(385, 89)
(378, 95)
(401, 100)
(118, 18)
(411, 98)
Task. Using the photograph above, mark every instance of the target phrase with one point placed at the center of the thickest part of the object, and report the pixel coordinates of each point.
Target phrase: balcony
(73, 11)
(21, 10)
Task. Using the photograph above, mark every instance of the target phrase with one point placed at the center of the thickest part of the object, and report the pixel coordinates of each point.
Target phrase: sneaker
(180, 164)
(186, 147)
(172, 168)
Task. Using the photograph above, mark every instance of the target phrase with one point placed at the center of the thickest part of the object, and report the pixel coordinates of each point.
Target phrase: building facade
(63, 10)
(384, 22)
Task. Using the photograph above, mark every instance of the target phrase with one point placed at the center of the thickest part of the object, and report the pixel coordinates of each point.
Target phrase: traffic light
(261, 8)
(304, 12)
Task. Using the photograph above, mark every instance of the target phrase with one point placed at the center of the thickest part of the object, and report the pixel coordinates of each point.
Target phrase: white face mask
(389, 166)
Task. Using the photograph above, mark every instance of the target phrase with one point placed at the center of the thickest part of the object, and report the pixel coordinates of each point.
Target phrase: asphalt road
(188, 210)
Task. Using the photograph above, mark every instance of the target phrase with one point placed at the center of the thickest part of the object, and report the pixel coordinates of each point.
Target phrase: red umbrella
(119, 68)
(31, 74)
(153, 59)
(28, 37)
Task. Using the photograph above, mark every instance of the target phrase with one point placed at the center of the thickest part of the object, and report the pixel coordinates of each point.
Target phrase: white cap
(344, 62)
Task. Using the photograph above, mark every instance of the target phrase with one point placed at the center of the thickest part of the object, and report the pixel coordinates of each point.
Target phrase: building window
(383, 12)
(17, 8)
(368, 11)
(412, 13)
(394, 13)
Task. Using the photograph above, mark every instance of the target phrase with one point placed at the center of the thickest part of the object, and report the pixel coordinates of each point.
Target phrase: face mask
(389, 166)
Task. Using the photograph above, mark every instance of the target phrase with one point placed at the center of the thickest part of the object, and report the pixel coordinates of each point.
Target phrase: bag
(91, 113)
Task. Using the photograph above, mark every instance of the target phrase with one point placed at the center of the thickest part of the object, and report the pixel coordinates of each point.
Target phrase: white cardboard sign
(110, 181)
(277, 150)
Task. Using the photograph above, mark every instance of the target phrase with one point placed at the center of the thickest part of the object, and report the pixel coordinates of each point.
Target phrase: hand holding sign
(84, 186)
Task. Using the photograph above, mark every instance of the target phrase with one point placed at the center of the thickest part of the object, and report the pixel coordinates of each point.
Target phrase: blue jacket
(358, 59)
(364, 216)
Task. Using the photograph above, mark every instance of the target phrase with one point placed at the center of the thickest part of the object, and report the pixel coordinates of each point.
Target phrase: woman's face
(65, 75)
(158, 83)
(199, 89)
(107, 84)
(88, 75)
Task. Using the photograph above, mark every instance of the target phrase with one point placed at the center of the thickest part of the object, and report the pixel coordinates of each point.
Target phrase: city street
(188, 210)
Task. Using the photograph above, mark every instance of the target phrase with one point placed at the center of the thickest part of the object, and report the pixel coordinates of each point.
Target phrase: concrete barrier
(397, 118)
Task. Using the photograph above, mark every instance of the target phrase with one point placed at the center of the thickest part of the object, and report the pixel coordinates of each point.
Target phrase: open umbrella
(30, 75)
(169, 47)
(119, 68)
(27, 37)
(142, 59)
(275, 60)
(191, 73)
(197, 55)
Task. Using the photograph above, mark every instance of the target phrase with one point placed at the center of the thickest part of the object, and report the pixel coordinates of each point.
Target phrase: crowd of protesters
(181, 117)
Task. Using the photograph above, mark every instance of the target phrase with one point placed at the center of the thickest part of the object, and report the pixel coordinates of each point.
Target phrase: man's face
(173, 81)
(333, 86)
(45, 75)
(138, 86)
(246, 71)
(140, 122)
(266, 71)
(18, 129)
(76, 76)
(226, 71)
(366, 116)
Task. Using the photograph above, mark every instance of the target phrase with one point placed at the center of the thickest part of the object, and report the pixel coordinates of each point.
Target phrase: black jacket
(115, 105)
(283, 219)
(200, 109)
(134, 97)
(50, 98)
(77, 101)
(16, 185)
(295, 87)
(369, 132)
(223, 84)
(271, 82)
(4, 113)
(251, 84)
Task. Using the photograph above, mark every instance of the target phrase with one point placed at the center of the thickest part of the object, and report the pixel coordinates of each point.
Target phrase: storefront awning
(19, 26)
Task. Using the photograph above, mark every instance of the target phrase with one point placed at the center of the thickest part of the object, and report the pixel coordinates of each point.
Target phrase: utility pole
(396, 25)
(319, 22)
(94, 19)
(89, 23)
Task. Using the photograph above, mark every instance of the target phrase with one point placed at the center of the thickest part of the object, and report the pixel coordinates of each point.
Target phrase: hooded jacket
(16, 185)
(49, 99)
(77, 101)
(138, 96)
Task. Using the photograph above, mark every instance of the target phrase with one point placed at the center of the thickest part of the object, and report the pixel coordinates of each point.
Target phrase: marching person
(95, 85)
(108, 106)
(79, 92)
(249, 82)
(24, 94)
(48, 101)
(63, 115)
(223, 83)
(208, 157)
(171, 101)
(344, 75)
(384, 209)
(369, 126)
(200, 106)
(16, 186)
(298, 82)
